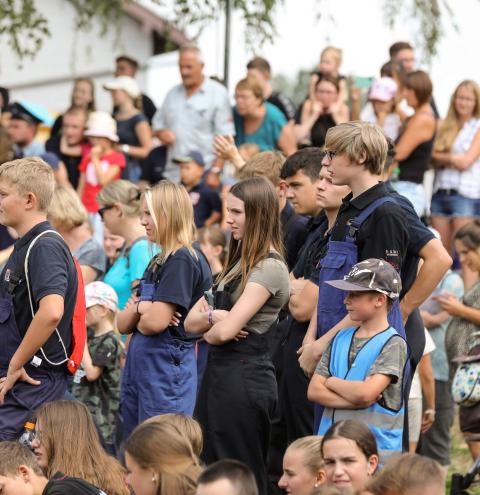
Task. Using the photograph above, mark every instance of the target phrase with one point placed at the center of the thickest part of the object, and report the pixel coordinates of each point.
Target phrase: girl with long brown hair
(160, 374)
(160, 461)
(67, 441)
(238, 393)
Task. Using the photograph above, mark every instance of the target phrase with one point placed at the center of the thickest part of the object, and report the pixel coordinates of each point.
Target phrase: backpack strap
(354, 224)
(79, 331)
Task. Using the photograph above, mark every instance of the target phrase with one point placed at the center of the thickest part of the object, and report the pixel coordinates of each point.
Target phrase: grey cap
(371, 275)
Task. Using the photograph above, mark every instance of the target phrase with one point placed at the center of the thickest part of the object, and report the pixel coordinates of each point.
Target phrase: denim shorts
(453, 205)
(414, 192)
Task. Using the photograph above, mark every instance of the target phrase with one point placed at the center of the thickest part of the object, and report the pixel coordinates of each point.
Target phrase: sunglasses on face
(102, 211)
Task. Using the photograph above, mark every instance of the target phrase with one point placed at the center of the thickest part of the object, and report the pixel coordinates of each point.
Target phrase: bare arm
(166, 136)
(436, 262)
(61, 175)
(361, 393)
(249, 303)
(89, 274)
(92, 372)
(81, 184)
(303, 303)
(155, 317)
(128, 318)
(466, 160)
(419, 130)
(425, 372)
(287, 142)
(104, 177)
(319, 393)
(144, 134)
(214, 218)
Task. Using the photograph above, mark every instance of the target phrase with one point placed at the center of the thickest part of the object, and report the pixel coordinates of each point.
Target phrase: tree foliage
(24, 27)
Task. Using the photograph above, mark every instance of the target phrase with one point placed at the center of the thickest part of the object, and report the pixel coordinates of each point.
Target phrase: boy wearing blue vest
(360, 375)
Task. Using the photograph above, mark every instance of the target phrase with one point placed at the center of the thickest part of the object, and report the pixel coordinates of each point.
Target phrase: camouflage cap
(371, 275)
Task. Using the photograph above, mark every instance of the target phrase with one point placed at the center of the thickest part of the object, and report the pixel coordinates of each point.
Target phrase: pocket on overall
(9, 335)
(260, 385)
(331, 308)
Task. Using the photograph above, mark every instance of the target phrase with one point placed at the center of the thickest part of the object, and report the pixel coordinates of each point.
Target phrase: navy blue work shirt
(205, 201)
(294, 229)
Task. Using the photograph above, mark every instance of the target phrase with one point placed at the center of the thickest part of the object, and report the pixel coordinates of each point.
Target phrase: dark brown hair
(353, 430)
(260, 64)
(215, 236)
(420, 83)
(236, 472)
(91, 104)
(267, 164)
(469, 235)
(328, 78)
(262, 229)
(398, 47)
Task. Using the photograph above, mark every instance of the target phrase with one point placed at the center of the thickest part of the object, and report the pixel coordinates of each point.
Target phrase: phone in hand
(209, 298)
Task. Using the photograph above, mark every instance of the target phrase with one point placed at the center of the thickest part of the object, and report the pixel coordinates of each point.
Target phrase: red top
(92, 187)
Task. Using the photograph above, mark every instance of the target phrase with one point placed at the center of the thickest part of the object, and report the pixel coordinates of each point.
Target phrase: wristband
(125, 148)
(210, 317)
(430, 412)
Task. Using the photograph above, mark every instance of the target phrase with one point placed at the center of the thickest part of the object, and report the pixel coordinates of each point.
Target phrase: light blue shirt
(195, 121)
(127, 269)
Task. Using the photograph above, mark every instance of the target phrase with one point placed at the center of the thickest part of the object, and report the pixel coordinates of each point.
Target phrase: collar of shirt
(32, 233)
(286, 213)
(369, 196)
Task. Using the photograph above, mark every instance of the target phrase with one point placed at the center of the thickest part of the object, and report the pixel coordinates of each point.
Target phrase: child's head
(102, 303)
(192, 168)
(227, 477)
(372, 286)
(186, 425)
(350, 454)
(248, 150)
(303, 467)
(409, 474)
(66, 210)
(353, 148)
(19, 470)
(213, 243)
(26, 188)
(330, 60)
(382, 95)
(102, 129)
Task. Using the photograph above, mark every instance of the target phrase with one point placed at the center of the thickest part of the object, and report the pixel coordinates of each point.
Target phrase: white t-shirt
(391, 125)
(416, 390)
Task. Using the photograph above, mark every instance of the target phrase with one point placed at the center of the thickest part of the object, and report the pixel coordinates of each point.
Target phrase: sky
(358, 27)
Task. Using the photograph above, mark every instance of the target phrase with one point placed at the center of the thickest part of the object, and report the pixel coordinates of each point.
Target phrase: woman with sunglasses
(120, 209)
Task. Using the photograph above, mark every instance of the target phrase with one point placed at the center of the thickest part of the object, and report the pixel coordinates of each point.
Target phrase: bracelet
(430, 412)
(125, 148)
(210, 317)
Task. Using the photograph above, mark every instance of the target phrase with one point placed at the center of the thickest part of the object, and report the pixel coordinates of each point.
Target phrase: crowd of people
(258, 299)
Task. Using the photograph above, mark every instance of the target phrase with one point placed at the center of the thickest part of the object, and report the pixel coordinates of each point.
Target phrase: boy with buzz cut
(360, 375)
(38, 292)
(21, 475)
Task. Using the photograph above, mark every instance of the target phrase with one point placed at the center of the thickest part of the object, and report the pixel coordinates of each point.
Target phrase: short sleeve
(223, 120)
(117, 159)
(391, 360)
(322, 368)
(429, 344)
(106, 352)
(177, 280)
(270, 273)
(138, 259)
(214, 201)
(48, 268)
(159, 120)
(83, 164)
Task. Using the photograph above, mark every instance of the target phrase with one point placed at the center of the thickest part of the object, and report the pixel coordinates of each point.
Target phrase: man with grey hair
(193, 113)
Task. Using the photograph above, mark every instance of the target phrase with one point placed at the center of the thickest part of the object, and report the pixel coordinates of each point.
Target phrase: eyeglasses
(330, 155)
(102, 211)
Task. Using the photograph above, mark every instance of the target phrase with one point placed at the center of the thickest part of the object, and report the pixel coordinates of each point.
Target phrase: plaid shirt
(466, 182)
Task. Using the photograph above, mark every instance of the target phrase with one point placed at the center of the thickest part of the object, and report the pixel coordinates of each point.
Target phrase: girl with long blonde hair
(456, 157)
(66, 441)
(160, 374)
(238, 392)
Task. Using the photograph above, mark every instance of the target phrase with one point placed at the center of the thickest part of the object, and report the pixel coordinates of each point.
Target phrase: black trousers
(236, 403)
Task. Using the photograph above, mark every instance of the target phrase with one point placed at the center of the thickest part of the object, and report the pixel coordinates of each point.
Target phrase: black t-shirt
(71, 162)
(51, 271)
(295, 231)
(283, 103)
(313, 249)
(418, 234)
(65, 485)
(205, 201)
(383, 235)
(319, 129)
(154, 165)
(148, 108)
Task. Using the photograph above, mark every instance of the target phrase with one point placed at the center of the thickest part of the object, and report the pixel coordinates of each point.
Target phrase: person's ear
(118, 209)
(363, 158)
(217, 250)
(321, 478)
(31, 200)
(372, 465)
(25, 473)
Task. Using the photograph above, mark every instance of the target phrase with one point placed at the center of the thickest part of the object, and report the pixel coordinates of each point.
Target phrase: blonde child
(330, 62)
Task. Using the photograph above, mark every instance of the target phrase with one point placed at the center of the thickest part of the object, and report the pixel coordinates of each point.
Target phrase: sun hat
(125, 83)
(191, 156)
(383, 89)
(102, 294)
(101, 124)
(371, 275)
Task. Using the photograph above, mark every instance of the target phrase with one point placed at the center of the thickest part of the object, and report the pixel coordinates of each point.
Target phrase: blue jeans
(453, 205)
(414, 192)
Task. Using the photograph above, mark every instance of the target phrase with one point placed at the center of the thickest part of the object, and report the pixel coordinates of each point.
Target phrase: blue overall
(23, 399)
(386, 424)
(160, 374)
(237, 399)
(340, 258)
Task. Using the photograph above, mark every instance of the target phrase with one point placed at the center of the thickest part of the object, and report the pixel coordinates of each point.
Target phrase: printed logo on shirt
(194, 198)
(7, 275)
(393, 257)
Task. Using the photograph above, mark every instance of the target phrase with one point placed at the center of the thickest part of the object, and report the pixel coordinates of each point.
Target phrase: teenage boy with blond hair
(37, 304)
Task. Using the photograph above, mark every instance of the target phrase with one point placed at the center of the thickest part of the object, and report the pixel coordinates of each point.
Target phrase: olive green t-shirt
(272, 274)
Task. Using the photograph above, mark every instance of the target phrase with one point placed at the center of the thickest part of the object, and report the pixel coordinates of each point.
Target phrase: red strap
(79, 327)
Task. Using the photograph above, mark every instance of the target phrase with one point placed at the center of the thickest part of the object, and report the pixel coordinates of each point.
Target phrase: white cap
(101, 124)
(125, 83)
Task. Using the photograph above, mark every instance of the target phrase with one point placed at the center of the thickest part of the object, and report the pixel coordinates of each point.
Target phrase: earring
(154, 479)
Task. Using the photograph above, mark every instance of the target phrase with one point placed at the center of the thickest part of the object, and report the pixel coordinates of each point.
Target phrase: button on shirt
(195, 121)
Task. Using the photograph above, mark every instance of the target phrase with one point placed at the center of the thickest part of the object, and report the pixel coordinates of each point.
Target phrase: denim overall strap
(386, 424)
